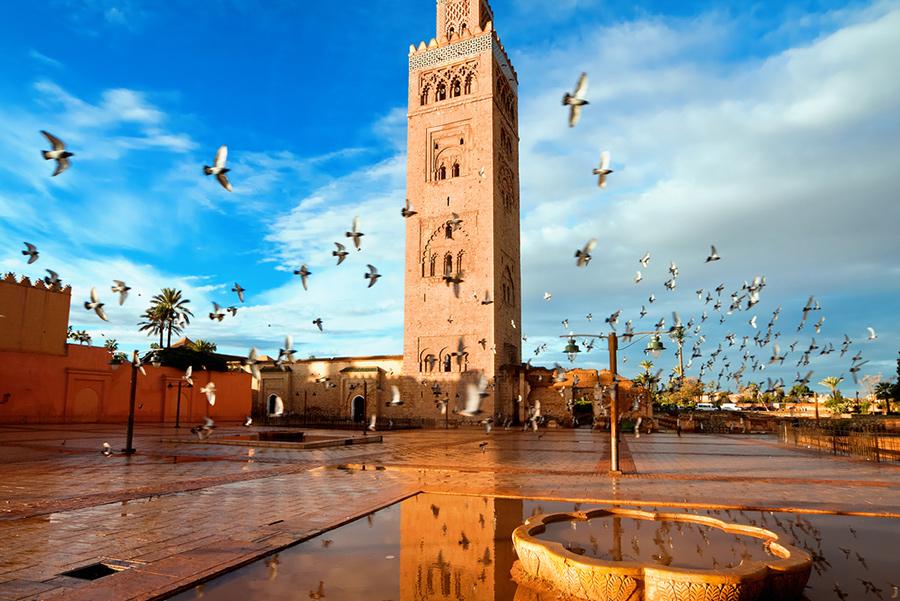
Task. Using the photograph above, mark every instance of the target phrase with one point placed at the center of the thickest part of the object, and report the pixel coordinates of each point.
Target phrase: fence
(871, 443)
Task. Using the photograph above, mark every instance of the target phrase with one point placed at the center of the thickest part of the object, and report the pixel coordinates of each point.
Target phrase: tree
(203, 346)
(896, 394)
(884, 391)
(687, 394)
(154, 323)
(799, 391)
(111, 345)
(171, 311)
(836, 403)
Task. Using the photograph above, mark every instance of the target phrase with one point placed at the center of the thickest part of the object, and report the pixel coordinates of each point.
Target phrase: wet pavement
(186, 512)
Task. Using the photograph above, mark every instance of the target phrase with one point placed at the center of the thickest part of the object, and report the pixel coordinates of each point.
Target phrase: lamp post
(177, 404)
(129, 434)
(572, 350)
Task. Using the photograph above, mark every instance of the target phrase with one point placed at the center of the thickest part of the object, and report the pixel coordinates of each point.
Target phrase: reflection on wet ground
(661, 542)
(458, 547)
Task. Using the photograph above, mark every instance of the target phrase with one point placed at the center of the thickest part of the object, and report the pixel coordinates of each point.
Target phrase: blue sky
(767, 129)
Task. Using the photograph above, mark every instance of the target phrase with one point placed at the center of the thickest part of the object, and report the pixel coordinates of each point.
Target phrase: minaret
(463, 159)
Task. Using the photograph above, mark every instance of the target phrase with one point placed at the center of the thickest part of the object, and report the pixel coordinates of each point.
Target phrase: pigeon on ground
(240, 291)
(58, 154)
(95, 305)
(576, 100)
(318, 323)
(583, 255)
(713, 255)
(52, 280)
(372, 275)
(355, 233)
(603, 170)
(210, 391)
(120, 287)
(372, 422)
(304, 274)
(218, 169)
(106, 449)
(248, 421)
(407, 211)
(31, 252)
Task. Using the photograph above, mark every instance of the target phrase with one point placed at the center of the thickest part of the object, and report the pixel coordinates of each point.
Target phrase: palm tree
(883, 392)
(173, 310)
(832, 382)
(203, 346)
(154, 323)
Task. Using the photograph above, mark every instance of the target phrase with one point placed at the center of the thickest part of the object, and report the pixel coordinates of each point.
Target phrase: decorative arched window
(450, 31)
(455, 88)
(448, 232)
(448, 363)
(423, 99)
(441, 91)
(454, 171)
(459, 258)
(428, 364)
(442, 172)
(431, 266)
(467, 88)
(448, 264)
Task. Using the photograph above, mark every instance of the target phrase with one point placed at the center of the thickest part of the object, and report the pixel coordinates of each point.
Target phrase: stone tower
(463, 159)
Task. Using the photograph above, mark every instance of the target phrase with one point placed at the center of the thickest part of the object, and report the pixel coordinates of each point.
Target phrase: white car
(705, 407)
(730, 407)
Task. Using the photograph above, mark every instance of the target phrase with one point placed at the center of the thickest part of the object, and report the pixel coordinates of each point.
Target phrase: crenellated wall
(35, 316)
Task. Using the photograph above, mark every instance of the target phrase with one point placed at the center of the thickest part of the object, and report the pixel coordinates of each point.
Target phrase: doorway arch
(358, 409)
(271, 404)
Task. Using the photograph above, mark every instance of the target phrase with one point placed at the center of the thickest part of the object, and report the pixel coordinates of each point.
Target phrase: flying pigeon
(576, 100)
(713, 255)
(210, 391)
(645, 260)
(218, 169)
(318, 323)
(407, 211)
(278, 409)
(547, 296)
(304, 274)
(603, 170)
(58, 154)
(217, 312)
(52, 279)
(638, 277)
(31, 252)
(205, 430)
(355, 233)
(232, 310)
(120, 287)
(248, 421)
(475, 393)
(372, 275)
(187, 375)
(251, 362)
(583, 255)
(372, 422)
(95, 305)
(395, 396)
(872, 334)
(240, 291)
(340, 253)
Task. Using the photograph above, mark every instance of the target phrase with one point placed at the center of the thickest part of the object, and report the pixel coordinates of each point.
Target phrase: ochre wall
(81, 387)
(35, 317)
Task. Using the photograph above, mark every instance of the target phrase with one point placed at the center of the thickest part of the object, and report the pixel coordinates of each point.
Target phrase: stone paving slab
(186, 512)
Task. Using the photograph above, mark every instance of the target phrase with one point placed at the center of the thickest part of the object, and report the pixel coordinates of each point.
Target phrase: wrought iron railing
(868, 441)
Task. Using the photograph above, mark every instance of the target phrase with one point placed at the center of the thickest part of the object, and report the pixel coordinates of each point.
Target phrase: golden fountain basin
(548, 565)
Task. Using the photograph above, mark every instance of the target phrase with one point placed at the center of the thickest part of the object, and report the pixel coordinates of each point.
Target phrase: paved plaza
(180, 512)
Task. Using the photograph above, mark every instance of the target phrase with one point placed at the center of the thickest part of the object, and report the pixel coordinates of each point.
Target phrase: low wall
(81, 387)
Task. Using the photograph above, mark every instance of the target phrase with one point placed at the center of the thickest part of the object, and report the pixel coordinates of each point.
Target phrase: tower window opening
(461, 141)
(467, 89)
(448, 231)
(423, 99)
(459, 258)
(448, 363)
(442, 172)
(448, 264)
(432, 265)
(442, 91)
(455, 89)
(454, 171)
(450, 31)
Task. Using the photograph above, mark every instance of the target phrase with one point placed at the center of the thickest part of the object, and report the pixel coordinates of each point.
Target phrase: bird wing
(712, 250)
(604, 160)
(395, 394)
(62, 164)
(288, 343)
(94, 297)
(189, 371)
(221, 156)
(372, 270)
(355, 228)
(31, 249)
(340, 247)
(581, 86)
(589, 247)
(223, 179)
(100, 313)
(574, 114)
(56, 142)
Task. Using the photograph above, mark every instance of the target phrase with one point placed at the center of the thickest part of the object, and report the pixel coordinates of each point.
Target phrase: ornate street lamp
(571, 350)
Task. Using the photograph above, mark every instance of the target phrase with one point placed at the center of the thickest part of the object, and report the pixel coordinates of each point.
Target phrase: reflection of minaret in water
(457, 547)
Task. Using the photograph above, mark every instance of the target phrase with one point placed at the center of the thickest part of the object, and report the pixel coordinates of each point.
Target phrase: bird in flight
(340, 253)
(475, 394)
(603, 169)
(304, 274)
(583, 255)
(217, 312)
(408, 211)
(31, 252)
(395, 396)
(122, 289)
(638, 277)
(95, 305)
(218, 169)
(187, 375)
(372, 275)
(355, 233)
(52, 279)
(576, 100)
(645, 260)
(210, 391)
(240, 291)
(713, 255)
(318, 323)
(872, 334)
(58, 154)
